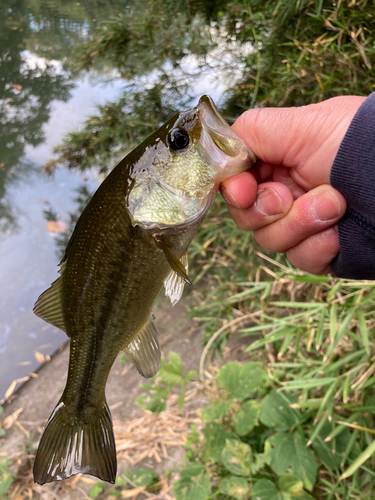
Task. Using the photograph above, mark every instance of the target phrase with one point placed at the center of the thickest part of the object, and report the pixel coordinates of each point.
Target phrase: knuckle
(265, 240)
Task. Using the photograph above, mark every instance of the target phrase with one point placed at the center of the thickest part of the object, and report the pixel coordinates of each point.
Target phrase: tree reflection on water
(36, 41)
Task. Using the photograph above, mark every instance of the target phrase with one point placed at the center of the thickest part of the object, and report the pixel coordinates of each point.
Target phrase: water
(39, 102)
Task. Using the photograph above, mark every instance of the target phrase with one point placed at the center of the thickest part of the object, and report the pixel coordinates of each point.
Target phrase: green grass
(314, 337)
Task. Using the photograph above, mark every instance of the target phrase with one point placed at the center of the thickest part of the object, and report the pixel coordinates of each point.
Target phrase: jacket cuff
(353, 175)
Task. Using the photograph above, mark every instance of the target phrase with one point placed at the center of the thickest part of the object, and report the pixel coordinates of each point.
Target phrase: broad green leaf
(246, 417)
(2, 432)
(171, 372)
(96, 489)
(216, 435)
(235, 487)
(154, 402)
(216, 410)
(265, 490)
(190, 374)
(261, 459)
(175, 364)
(240, 380)
(120, 481)
(144, 477)
(181, 398)
(324, 452)
(236, 457)
(276, 413)
(122, 358)
(192, 488)
(113, 492)
(5, 482)
(289, 450)
(292, 488)
(192, 469)
(330, 459)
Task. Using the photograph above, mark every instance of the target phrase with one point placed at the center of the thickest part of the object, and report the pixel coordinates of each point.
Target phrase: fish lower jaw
(234, 166)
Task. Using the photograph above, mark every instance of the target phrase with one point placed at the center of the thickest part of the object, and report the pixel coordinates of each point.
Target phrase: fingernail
(228, 198)
(325, 206)
(268, 202)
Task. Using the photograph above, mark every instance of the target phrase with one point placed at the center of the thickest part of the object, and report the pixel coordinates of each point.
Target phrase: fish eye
(179, 139)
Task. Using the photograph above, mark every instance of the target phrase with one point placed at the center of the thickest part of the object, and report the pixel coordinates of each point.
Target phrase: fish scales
(130, 240)
(126, 266)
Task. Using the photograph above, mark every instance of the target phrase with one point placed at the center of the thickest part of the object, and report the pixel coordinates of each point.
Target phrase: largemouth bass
(130, 240)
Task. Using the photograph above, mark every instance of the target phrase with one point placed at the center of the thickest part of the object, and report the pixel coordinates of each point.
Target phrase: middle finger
(311, 213)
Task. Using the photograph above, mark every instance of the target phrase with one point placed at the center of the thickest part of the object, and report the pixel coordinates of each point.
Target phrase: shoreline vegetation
(289, 415)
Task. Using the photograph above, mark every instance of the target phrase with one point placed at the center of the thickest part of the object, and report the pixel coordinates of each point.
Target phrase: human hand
(286, 199)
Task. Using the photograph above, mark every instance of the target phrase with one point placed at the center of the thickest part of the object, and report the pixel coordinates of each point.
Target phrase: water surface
(40, 100)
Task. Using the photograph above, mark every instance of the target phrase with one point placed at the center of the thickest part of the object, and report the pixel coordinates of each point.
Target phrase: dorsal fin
(49, 304)
(174, 284)
(144, 350)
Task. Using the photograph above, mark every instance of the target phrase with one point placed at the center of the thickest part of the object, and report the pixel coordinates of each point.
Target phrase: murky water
(39, 102)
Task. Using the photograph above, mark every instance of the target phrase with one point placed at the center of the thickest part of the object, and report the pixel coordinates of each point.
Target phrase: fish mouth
(228, 151)
(221, 133)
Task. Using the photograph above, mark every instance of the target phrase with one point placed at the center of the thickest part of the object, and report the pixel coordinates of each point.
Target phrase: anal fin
(144, 350)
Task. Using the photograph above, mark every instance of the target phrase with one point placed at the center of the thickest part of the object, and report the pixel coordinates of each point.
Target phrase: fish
(130, 240)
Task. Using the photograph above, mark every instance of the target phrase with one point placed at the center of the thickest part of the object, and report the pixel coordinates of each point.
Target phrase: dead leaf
(87, 480)
(116, 405)
(10, 389)
(131, 493)
(56, 227)
(22, 429)
(39, 356)
(11, 419)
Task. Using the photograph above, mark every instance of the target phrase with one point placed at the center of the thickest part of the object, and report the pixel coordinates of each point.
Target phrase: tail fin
(69, 446)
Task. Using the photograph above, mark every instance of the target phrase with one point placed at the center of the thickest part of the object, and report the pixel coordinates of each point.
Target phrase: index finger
(304, 138)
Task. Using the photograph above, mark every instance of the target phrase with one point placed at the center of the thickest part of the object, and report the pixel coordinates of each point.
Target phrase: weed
(169, 376)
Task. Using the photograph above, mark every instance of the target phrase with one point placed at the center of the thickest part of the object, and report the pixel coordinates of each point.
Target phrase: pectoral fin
(49, 304)
(144, 351)
(177, 266)
(174, 284)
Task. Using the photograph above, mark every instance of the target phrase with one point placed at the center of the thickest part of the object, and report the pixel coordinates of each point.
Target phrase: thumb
(305, 137)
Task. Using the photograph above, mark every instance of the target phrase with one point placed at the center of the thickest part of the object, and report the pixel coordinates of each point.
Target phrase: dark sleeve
(353, 174)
